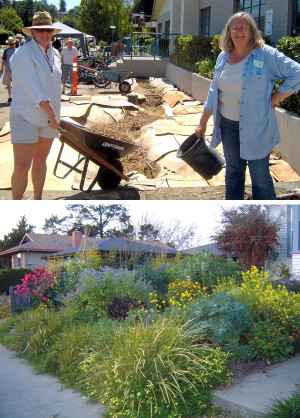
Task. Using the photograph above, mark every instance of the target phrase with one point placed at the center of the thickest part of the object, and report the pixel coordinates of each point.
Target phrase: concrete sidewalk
(24, 394)
(252, 395)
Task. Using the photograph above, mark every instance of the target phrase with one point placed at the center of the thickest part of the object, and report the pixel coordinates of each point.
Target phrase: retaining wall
(198, 86)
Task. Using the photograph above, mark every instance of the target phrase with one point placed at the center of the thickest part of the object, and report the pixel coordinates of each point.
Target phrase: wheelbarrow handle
(92, 153)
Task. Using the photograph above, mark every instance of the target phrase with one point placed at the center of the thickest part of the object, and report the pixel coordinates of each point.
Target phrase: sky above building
(204, 214)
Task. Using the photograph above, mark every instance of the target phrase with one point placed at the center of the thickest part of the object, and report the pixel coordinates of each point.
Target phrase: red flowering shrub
(42, 285)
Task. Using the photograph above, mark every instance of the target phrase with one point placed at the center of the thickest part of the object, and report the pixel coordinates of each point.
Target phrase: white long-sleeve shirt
(34, 79)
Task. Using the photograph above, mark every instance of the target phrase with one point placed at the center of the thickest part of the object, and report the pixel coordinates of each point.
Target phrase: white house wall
(164, 15)
(282, 215)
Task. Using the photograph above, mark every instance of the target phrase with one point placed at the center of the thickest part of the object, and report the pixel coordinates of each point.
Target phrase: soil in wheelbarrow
(129, 129)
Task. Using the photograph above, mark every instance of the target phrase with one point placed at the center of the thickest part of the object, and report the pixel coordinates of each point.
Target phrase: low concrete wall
(142, 66)
(198, 86)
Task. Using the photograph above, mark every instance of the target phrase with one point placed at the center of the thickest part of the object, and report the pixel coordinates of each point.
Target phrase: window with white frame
(257, 9)
(205, 22)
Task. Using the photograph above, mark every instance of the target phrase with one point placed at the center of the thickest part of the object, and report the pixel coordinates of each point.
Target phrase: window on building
(167, 27)
(296, 18)
(257, 8)
(205, 22)
(159, 28)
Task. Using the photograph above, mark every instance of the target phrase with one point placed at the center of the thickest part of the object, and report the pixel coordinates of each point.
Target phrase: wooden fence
(16, 302)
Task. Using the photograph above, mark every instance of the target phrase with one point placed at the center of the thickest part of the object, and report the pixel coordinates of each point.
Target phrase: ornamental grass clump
(154, 370)
(268, 302)
(270, 342)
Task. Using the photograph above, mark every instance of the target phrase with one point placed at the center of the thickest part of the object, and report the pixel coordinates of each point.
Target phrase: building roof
(157, 7)
(207, 247)
(121, 245)
(47, 243)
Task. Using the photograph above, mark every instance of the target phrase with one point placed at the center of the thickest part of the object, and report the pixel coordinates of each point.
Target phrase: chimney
(76, 239)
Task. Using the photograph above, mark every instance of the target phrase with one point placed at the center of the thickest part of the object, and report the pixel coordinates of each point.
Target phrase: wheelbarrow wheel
(106, 178)
(125, 87)
(100, 82)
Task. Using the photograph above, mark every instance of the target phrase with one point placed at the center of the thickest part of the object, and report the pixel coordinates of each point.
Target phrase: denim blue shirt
(259, 131)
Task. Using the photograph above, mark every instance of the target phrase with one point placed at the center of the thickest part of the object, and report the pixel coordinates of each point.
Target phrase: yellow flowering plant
(268, 302)
(182, 292)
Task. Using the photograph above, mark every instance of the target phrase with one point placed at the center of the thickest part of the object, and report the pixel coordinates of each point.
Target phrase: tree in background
(103, 220)
(10, 20)
(71, 18)
(247, 233)
(14, 237)
(96, 17)
(145, 6)
(26, 9)
(115, 221)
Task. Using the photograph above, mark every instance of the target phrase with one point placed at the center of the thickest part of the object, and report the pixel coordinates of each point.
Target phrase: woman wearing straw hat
(67, 55)
(5, 66)
(35, 110)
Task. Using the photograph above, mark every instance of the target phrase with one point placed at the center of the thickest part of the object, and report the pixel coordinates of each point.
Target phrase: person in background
(57, 45)
(19, 40)
(5, 66)
(35, 109)
(242, 103)
(67, 55)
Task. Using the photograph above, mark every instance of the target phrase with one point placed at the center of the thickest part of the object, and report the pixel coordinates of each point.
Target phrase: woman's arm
(52, 119)
(201, 128)
(278, 97)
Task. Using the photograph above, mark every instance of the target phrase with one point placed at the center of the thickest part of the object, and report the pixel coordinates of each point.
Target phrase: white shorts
(24, 132)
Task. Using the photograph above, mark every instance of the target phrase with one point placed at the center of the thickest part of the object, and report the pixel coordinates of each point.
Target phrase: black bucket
(205, 160)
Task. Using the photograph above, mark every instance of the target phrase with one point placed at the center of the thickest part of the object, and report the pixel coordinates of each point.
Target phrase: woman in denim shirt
(242, 104)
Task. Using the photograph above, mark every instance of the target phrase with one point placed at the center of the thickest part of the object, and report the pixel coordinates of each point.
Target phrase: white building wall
(282, 215)
(296, 264)
(281, 18)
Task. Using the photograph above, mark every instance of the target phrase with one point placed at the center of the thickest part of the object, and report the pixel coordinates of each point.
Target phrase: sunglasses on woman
(45, 30)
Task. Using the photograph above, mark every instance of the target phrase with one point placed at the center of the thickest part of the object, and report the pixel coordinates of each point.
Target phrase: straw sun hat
(41, 20)
(10, 40)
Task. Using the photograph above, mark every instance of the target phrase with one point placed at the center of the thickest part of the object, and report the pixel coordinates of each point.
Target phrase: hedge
(11, 277)
(199, 55)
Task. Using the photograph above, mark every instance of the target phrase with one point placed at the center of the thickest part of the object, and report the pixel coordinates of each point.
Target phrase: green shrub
(95, 290)
(291, 48)
(266, 302)
(11, 277)
(190, 49)
(220, 318)
(206, 270)
(4, 307)
(154, 370)
(156, 277)
(287, 408)
(270, 341)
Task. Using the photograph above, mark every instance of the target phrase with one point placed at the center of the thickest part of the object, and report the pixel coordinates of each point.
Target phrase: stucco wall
(281, 18)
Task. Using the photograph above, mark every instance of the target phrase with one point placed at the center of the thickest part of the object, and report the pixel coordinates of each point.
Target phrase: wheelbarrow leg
(71, 167)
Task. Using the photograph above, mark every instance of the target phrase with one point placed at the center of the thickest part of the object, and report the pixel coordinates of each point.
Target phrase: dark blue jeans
(262, 184)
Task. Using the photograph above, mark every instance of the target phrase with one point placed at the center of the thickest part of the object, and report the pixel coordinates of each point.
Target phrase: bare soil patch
(128, 129)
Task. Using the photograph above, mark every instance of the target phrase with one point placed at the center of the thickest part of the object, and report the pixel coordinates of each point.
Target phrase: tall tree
(104, 220)
(10, 20)
(145, 6)
(96, 17)
(62, 5)
(14, 237)
(247, 233)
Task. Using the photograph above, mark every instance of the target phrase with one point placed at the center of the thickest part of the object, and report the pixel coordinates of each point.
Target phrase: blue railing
(141, 44)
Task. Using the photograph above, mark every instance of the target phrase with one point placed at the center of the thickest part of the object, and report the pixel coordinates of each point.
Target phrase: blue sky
(70, 3)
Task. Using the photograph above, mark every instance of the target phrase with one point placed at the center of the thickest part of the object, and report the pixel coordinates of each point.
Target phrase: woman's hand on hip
(53, 122)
